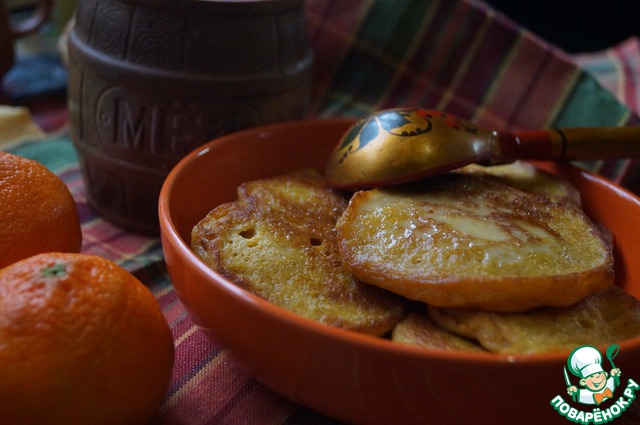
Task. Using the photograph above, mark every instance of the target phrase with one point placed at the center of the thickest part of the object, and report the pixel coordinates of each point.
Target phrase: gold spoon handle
(568, 144)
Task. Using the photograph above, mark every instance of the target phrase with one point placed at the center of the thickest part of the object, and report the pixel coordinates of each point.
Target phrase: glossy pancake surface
(473, 241)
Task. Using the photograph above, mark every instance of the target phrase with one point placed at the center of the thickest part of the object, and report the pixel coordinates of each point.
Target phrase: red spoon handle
(569, 144)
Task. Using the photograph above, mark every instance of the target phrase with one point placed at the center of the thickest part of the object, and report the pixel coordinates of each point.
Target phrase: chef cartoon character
(585, 362)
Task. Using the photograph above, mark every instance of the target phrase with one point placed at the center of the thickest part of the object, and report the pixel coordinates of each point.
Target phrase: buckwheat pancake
(277, 240)
(470, 240)
(418, 329)
(607, 316)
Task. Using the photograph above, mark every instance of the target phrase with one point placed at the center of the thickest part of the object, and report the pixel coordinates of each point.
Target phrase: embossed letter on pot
(151, 80)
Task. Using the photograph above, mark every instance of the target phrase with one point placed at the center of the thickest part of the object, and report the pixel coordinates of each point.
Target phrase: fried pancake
(525, 176)
(277, 240)
(605, 317)
(418, 329)
(470, 240)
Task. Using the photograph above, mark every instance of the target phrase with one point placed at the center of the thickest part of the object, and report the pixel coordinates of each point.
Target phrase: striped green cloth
(461, 57)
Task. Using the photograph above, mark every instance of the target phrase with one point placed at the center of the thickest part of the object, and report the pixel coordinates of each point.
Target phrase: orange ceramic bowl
(353, 377)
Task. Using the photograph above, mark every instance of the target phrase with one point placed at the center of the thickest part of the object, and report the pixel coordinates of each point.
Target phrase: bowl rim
(170, 235)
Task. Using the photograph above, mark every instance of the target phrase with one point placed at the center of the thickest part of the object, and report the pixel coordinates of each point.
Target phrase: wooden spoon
(399, 145)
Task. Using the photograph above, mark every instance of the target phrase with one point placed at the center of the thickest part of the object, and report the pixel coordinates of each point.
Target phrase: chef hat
(585, 361)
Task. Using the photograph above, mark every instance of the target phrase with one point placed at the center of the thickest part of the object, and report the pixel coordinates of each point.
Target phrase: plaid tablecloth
(457, 56)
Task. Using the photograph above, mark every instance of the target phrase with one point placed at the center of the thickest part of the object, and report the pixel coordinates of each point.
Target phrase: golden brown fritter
(418, 329)
(277, 240)
(607, 316)
(527, 177)
(470, 240)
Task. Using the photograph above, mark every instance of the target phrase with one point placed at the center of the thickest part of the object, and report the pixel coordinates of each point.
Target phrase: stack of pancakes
(500, 259)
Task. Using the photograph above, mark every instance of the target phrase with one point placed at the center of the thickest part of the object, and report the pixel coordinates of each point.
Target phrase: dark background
(576, 25)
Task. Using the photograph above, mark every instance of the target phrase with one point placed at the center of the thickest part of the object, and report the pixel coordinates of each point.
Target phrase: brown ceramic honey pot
(151, 80)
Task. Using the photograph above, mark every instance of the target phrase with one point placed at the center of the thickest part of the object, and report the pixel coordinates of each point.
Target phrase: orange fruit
(37, 212)
(82, 341)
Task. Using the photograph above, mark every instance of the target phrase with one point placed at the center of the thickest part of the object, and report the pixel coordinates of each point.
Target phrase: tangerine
(82, 341)
(37, 211)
